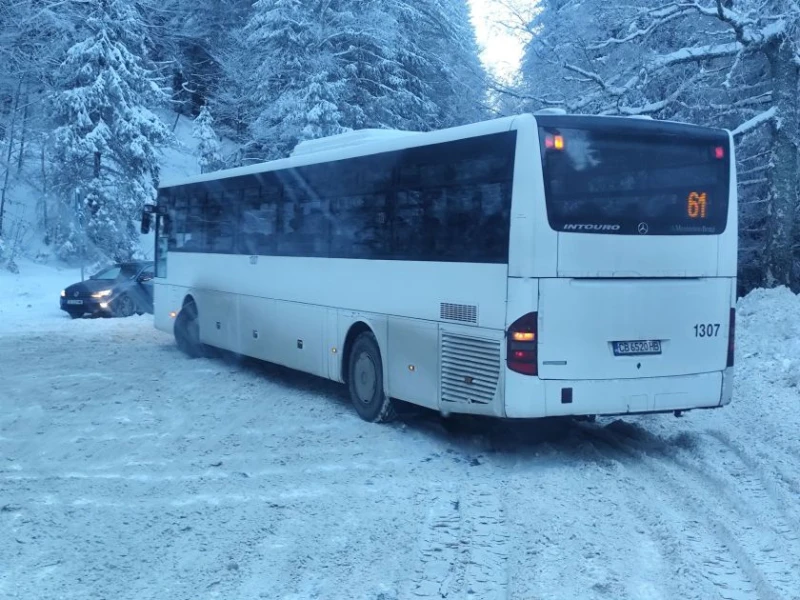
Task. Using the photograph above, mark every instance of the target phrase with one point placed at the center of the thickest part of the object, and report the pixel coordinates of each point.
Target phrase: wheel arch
(354, 324)
(187, 300)
(355, 330)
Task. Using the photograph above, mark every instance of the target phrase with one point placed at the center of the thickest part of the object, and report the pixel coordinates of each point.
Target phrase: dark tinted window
(221, 220)
(259, 217)
(447, 202)
(635, 181)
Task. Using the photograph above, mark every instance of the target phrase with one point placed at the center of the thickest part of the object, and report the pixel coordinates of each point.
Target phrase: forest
(90, 91)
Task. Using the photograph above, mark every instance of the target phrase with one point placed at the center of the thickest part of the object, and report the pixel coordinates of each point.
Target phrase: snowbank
(769, 331)
(29, 301)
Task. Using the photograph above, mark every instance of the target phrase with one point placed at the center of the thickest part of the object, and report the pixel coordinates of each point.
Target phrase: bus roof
(330, 149)
(373, 141)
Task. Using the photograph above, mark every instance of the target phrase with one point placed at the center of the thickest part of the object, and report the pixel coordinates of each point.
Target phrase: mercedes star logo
(75, 294)
(643, 228)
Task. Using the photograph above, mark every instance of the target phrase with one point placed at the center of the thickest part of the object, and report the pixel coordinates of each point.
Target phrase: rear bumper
(530, 397)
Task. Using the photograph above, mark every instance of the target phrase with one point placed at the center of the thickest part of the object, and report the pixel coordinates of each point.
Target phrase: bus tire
(365, 381)
(187, 332)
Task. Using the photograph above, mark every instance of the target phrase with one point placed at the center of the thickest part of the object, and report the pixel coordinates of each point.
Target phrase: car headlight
(101, 294)
(63, 293)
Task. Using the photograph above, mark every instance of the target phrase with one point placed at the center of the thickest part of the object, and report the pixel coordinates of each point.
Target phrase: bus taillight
(521, 355)
(731, 337)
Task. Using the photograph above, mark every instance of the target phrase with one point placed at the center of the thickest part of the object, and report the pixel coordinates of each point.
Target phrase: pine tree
(105, 140)
(209, 148)
(322, 67)
(297, 80)
(439, 49)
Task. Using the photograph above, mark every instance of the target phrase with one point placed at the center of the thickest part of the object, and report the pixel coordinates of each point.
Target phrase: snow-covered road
(128, 471)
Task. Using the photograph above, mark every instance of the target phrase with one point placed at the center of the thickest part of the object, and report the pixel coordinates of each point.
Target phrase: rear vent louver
(461, 313)
(470, 369)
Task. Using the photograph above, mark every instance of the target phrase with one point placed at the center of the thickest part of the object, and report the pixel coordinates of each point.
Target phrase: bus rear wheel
(187, 332)
(365, 381)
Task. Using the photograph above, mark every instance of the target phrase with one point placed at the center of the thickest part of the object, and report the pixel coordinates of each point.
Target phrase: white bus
(530, 266)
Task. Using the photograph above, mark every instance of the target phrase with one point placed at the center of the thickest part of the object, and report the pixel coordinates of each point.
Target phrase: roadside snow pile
(30, 299)
(768, 330)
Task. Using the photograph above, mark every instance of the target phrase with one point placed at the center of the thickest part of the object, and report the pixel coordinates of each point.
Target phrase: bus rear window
(635, 180)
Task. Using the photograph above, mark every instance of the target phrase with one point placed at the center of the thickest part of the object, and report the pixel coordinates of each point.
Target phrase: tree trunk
(4, 191)
(782, 205)
(23, 133)
(44, 200)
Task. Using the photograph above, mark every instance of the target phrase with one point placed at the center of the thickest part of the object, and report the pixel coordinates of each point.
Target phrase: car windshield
(116, 272)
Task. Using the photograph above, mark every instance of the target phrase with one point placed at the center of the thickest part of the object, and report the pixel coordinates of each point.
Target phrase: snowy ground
(130, 472)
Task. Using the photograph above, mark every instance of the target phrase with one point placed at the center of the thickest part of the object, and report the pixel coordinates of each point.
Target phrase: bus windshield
(635, 180)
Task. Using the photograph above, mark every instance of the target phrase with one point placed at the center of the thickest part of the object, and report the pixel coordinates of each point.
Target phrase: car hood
(85, 288)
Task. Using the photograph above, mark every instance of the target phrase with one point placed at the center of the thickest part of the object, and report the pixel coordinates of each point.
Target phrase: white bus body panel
(597, 255)
(271, 310)
(580, 318)
(392, 288)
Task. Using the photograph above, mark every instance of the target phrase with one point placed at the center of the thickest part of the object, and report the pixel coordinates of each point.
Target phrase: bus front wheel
(187, 331)
(365, 381)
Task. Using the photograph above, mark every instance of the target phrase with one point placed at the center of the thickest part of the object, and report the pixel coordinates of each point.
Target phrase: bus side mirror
(147, 218)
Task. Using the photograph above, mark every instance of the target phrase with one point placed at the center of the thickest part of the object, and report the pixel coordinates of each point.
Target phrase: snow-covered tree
(209, 148)
(191, 40)
(106, 137)
(321, 67)
(440, 48)
(32, 33)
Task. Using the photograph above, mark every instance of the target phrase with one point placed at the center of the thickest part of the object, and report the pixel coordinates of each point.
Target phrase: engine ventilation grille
(462, 313)
(470, 369)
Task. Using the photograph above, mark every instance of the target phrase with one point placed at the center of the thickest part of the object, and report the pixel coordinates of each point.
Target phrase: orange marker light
(558, 142)
(523, 336)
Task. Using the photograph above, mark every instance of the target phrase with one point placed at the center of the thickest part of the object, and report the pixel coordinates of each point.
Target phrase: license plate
(636, 347)
(74, 301)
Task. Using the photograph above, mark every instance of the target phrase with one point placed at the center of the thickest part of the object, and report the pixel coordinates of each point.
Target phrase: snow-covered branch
(694, 54)
(605, 85)
(755, 122)
(664, 16)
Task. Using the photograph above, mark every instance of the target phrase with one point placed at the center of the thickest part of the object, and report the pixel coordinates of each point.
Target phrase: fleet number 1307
(706, 330)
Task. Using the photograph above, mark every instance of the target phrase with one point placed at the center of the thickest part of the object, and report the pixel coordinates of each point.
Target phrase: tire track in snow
(575, 537)
(757, 466)
(463, 546)
(666, 534)
(758, 547)
(700, 568)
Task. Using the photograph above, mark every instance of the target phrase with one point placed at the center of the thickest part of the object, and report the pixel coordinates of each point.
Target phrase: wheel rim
(365, 378)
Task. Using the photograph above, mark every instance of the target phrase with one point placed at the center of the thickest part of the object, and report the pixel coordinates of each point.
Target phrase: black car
(120, 290)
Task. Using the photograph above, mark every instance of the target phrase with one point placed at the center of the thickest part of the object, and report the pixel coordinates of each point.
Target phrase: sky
(502, 51)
